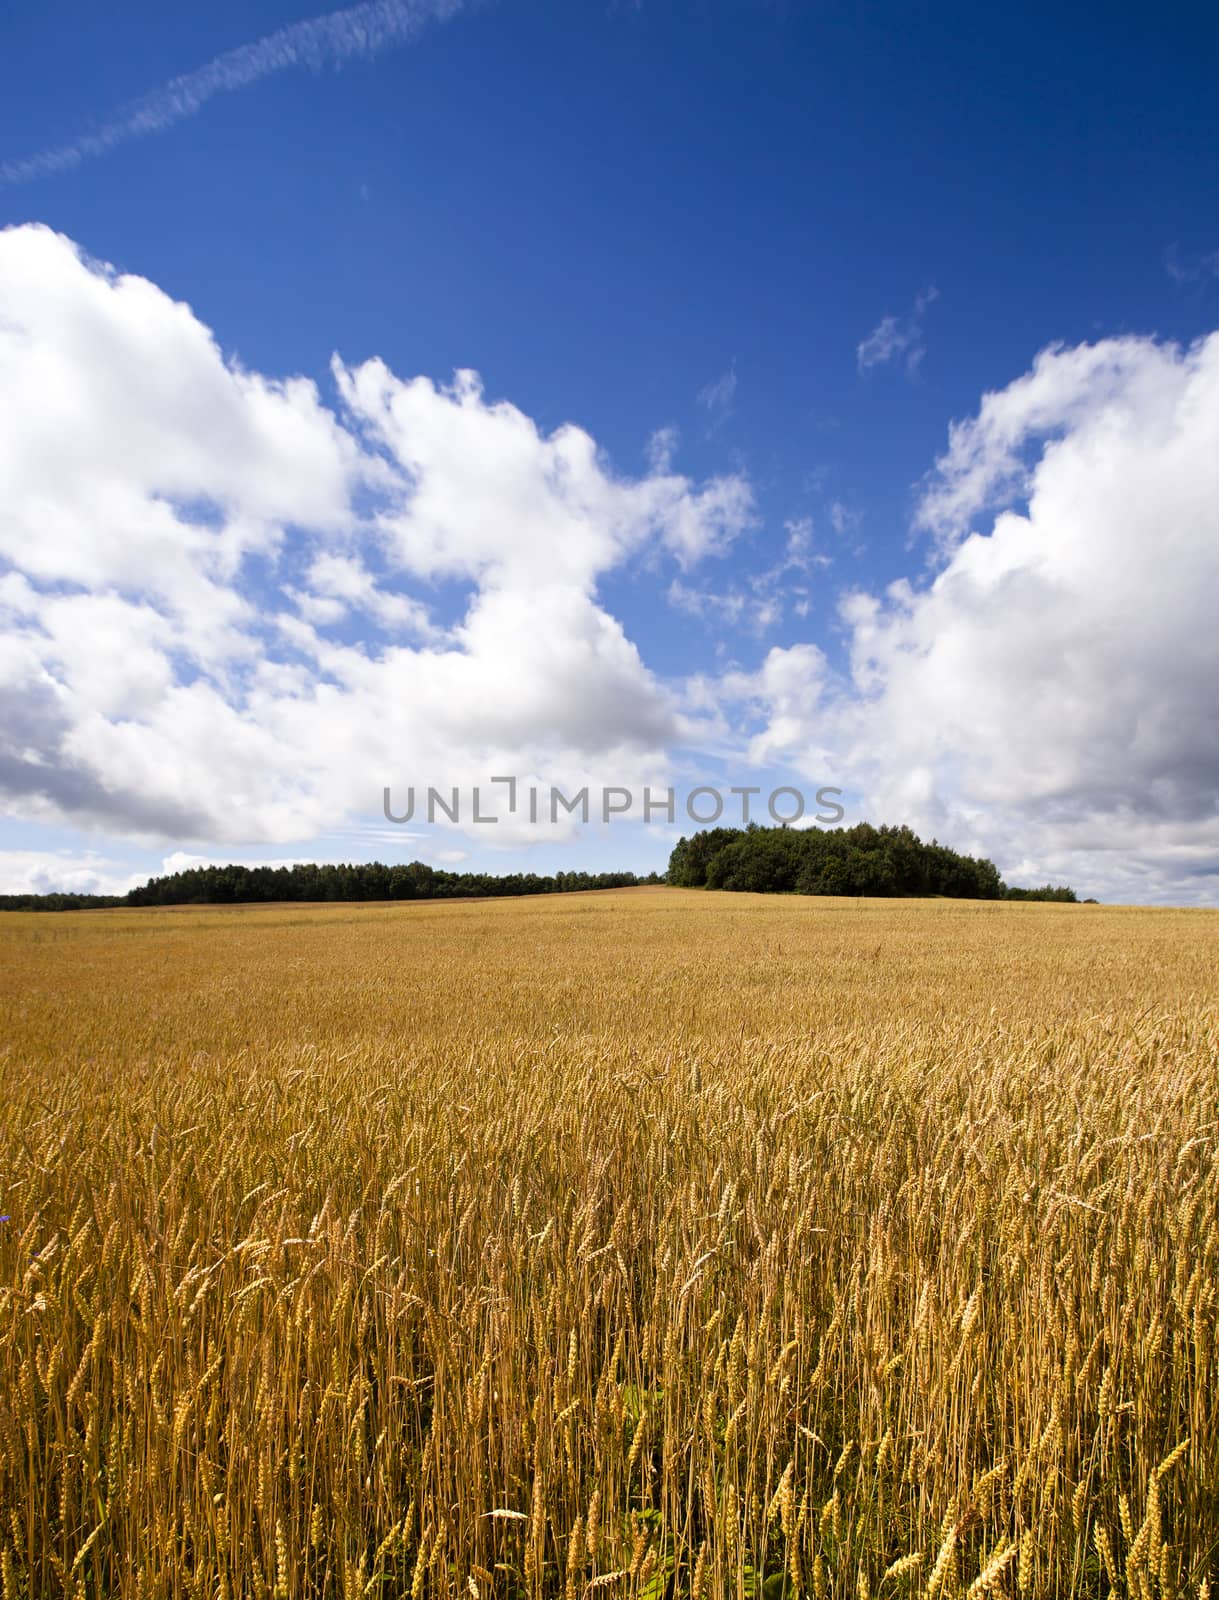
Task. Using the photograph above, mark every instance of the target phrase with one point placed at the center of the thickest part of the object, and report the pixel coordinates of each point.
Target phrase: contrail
(355, 33)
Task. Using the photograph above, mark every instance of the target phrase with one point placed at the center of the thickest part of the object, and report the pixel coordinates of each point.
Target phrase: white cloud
(63, 872)
(483, 495)
(345, 583)
(1050, 696)
(220, 613)
(786, 694)
(661, 447)
(203, 639)
(897, 337)
(846, 522)
(886, 340)
(357, 33)
(760, 600)
(92, 872)
(993, 458)
(728, 606)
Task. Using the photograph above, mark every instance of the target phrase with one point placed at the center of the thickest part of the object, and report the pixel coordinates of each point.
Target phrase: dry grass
(649, 1243)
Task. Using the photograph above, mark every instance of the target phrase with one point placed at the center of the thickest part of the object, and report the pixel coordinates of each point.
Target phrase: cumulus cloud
(488, 498)
(358, 32)
(339, 584)
(234, 607)
(1049, 697)
(63, 872)
(218, 590)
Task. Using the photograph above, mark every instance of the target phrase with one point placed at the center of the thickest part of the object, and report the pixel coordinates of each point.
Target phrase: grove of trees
(862, 860)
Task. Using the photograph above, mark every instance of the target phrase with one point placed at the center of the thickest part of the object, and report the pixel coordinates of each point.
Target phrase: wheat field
(648, 1243)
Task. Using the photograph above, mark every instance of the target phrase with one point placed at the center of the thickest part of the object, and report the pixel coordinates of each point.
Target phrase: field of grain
(649, 1243)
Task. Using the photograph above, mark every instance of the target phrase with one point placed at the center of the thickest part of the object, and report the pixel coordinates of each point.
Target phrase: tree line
(861, 860)
(371, 880)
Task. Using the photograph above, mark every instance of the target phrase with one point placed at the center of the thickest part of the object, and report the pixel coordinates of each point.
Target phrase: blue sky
(764, 257)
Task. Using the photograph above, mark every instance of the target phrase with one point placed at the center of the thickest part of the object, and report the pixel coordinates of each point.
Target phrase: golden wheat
(652, 1243)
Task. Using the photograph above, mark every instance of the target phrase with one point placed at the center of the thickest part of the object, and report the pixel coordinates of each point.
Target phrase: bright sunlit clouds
(222, 617)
